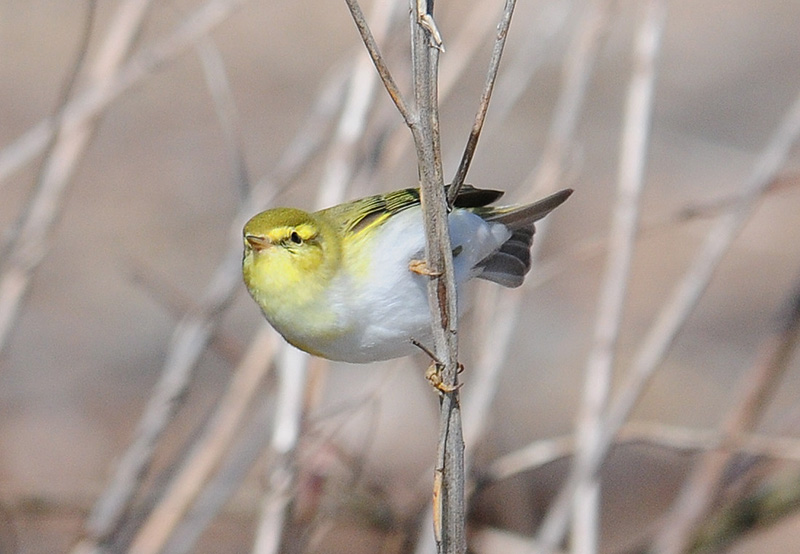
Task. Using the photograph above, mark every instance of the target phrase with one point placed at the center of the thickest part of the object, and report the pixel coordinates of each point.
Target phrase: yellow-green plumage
(336, 282)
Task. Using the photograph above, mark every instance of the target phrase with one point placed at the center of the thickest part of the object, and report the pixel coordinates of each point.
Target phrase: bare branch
(380, 64)
(219, 86)
(292, 370)
(577, 70)
(31, 241)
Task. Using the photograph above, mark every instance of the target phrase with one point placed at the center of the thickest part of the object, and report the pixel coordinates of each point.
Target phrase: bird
(347, 283)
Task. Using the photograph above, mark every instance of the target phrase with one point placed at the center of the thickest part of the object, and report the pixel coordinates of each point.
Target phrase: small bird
(348, 283)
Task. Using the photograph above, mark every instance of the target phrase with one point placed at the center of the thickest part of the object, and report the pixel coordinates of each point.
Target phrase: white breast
(388, 306)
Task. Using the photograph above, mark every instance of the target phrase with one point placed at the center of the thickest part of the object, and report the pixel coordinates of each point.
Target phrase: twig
(449, 513)
(380, 64)
(676, 311)
(209, 449)
(471, 33)
(700, 489)
(622, 241)
(480, 117)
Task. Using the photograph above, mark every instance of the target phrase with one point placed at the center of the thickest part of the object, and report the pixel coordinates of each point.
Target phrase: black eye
(295, 238)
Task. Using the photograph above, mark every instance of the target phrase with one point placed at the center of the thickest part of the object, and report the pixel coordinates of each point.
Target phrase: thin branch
(219, 86)
(292, 370)
(676, 311)
(380, 64)
(449, 503)
(622, 242)
(700, 489)
(486, 96)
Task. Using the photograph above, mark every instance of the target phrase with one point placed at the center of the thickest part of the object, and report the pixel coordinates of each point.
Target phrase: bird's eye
(295, 238)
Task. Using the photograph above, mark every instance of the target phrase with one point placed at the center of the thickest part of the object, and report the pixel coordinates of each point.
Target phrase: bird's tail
(509, 265)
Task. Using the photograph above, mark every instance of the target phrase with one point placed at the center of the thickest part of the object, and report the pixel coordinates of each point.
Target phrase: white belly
(386, 307)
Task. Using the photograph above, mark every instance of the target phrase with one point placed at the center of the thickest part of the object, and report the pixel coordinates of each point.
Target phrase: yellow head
(290, 257)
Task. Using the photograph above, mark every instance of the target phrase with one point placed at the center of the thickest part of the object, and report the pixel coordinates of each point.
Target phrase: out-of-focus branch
(621, 246)
(700, 489)
(676, 311)
(676, 439)
(292, 368)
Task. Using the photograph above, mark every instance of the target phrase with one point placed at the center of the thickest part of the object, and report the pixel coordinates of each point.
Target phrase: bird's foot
(420, 267)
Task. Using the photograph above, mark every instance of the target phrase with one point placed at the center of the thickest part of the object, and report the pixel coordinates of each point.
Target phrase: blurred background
(120, 256)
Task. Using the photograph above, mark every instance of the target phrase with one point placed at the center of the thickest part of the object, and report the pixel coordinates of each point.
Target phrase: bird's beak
(258, 243)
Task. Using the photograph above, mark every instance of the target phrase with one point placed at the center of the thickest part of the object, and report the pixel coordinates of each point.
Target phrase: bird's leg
(434, 372)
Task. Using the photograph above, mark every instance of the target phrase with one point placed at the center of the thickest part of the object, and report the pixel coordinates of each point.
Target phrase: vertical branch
(449, 503)
(292, 369)
(622, 240)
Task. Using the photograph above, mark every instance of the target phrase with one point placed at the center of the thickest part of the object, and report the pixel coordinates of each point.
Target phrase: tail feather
(516, 217)
(509, 265)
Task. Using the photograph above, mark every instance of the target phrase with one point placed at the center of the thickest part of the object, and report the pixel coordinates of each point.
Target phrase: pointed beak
(257, 243)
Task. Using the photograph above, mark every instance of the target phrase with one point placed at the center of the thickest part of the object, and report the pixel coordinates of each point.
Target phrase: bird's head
(288, 252)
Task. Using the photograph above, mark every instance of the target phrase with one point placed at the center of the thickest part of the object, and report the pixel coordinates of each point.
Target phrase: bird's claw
(420, 267)
(434, 376)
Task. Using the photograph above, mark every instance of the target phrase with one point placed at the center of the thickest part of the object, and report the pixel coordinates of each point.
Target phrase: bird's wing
(372, 211)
